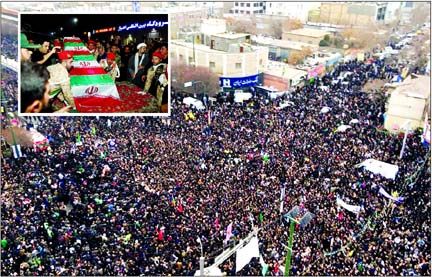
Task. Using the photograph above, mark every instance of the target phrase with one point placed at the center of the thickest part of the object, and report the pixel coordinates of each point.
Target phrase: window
(409, 4)
(212, 64)
(181, 57)
(261, 62)
(256, 4)
(191, 60)
(248, 5)
(241, 4)
(236, 4)
(238, 65)
(247, 12)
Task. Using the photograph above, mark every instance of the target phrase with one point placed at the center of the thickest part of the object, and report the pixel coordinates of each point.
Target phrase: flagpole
(290, 245)
(408, 125)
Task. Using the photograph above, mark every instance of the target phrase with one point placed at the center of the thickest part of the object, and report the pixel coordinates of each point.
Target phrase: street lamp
(201, 262)
(291, 216)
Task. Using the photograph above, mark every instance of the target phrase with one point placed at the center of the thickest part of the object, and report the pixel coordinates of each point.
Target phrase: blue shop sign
(239, 82)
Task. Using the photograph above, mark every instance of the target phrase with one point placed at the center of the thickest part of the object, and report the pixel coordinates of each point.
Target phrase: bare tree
(243, 25)
(364, 38)
(276, 28)
(206, 81)
(420, 13)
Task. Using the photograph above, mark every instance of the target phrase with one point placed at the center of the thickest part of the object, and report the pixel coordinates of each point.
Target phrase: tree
(276, 28)
(247, 25)
(363, 38)
(292, 24)
(421, 13)
(298, 56)
(207, 82)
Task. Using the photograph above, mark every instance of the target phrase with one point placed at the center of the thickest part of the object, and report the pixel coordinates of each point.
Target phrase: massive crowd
(130, 195)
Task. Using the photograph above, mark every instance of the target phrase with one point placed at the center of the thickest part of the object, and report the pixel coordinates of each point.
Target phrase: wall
(224, 63)
(301, 38)
(348, 14)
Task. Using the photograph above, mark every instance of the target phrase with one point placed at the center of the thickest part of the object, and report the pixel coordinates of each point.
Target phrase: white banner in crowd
(325, 110)
(354, 121)
(343, 128)
(385, 193)
(385, 169)
(351, 208)
(245, 254)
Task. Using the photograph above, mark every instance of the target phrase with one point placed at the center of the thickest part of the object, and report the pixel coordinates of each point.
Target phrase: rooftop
(284, 70)
(289, 44)
(205, 48)
(231, 35)
(308, 32)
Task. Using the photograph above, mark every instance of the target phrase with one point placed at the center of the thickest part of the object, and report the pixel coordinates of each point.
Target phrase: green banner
(83, 58)
(74, 44)
(86, 80)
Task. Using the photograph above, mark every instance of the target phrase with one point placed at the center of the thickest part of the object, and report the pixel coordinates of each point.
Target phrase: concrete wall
(302, 38)
(348, 14)
(279, 83)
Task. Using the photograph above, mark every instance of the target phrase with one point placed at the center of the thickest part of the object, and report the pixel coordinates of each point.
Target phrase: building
(237, 62)
(282, 76)
(409, 102)
(393, 12)
(280, 50)
(305, 35)
(298, 10)
(186, 19)
(353, 13)
(211, 26)
(244, 8)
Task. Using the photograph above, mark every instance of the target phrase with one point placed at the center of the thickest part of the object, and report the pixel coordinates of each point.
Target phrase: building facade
(353, 13)
(298, 10)
(248, 8)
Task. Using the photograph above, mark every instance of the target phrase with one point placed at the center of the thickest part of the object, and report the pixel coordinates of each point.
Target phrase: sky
(64, 24)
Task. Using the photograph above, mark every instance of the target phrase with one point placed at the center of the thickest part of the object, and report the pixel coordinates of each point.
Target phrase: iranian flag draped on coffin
(90, 84)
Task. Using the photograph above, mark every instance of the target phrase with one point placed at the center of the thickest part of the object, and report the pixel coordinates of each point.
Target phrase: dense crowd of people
(130, 195)
(9, 44)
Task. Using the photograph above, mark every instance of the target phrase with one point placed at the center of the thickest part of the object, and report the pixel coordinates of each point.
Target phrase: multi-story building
(298, 10)
(245, 8)
(353, 13)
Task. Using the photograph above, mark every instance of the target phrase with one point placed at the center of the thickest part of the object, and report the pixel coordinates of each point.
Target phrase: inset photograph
(93, 64)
